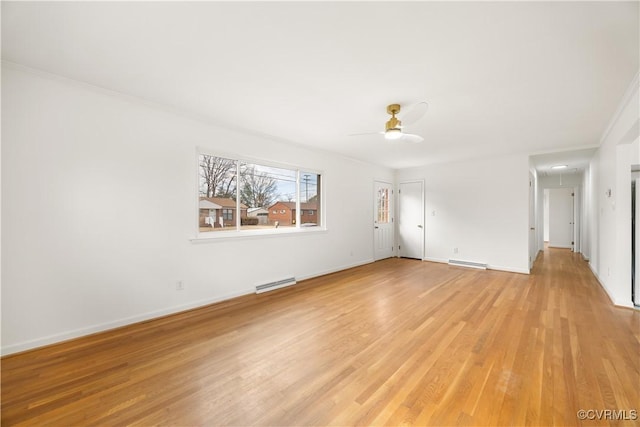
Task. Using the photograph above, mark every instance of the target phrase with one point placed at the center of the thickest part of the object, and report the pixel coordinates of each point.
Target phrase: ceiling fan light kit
(393, 126)
(393, 134)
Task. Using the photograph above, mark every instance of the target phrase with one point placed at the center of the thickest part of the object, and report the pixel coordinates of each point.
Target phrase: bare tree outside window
(269, 187)
(217, 177)
(259, 189)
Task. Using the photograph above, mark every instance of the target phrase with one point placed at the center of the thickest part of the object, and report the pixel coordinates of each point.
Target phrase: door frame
(533, 235)
(422, 217)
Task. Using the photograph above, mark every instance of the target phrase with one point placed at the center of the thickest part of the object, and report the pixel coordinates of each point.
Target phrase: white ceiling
(575, 160)
(500, 78)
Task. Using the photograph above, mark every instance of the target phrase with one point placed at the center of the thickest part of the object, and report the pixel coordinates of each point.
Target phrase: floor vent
(275, 285)
(471, 264)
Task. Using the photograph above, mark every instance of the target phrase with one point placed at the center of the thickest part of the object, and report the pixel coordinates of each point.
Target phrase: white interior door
(561, 217)
(411, 219)
(383, 235)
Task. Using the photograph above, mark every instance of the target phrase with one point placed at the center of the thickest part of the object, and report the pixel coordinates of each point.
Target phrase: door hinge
(572, 195)
(572, 243)
(398, 247)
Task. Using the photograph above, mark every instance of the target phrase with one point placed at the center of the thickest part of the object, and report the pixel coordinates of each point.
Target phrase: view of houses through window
(236, 194)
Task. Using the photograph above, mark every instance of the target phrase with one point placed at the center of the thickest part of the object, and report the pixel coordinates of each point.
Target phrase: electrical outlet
(455, 250)
(179, 285)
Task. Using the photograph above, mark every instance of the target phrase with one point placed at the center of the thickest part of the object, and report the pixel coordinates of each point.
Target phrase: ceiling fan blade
(409, 137)
(414, 113)
(365, 133)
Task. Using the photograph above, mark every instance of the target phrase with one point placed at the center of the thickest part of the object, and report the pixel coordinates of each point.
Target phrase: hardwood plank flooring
(396, 342)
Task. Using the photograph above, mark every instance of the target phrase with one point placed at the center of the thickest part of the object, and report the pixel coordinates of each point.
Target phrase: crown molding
(626, 99)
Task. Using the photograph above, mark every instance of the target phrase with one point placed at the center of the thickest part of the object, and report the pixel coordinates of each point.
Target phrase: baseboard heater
(275, 285)
(470, 264)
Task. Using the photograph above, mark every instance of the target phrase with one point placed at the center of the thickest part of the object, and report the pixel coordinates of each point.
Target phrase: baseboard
(606, 291)
(468, 264)
(441, 260)
(604, 288)
(508, 269)
(489, 266)
(335, 270)
(103, 327)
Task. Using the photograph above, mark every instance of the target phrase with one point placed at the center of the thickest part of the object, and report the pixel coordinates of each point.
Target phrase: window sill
(217, 236)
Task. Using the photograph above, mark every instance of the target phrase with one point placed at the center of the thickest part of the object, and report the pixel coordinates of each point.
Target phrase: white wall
(571, 180)
(610, 227)
(591, 249)
(481, 207)
(585, 217)
(99, 206)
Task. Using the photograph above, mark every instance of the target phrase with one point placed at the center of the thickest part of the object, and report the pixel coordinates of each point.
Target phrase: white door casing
(533, 244)
(383, 227)
(411, 219)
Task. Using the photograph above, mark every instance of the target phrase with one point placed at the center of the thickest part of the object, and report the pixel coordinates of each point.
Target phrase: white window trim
(202, 237)
(257, 234)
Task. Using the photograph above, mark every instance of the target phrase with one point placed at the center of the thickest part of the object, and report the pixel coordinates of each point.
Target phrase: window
(228, 186)
(383, 206)
(310, 198)
(217, 194)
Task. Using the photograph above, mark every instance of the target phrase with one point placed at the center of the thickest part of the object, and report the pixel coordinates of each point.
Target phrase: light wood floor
(397, 342)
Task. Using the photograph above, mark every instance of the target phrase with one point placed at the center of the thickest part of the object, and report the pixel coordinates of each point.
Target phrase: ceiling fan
(394, 127)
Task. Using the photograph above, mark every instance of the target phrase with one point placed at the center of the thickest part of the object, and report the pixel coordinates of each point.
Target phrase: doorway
(559, 227)
(383, 234)
(411, 220)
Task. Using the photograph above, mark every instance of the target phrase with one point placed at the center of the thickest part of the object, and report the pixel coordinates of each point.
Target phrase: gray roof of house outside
(256, 211)
(206, 204)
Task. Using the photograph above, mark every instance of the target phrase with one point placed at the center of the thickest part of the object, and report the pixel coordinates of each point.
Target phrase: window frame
(239, 232)
(227, 212)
